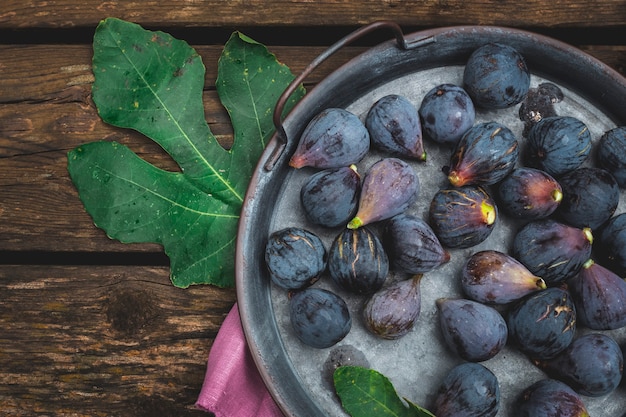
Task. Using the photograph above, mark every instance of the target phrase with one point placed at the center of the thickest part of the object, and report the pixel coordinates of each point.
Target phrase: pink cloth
(232, 385)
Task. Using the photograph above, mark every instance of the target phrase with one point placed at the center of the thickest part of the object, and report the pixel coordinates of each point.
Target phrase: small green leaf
(365, 393)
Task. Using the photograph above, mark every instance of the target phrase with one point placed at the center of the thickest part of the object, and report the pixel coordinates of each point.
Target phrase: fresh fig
(357, 261)
(468, 390)
(551, 249)
(529, 193)
(593, 365)
(447, 112)
(600, 297)
(611, 244)
(295, 257)
(543, 324)
(391, 312)
(484, 155)
(412, 245)
(389, 187)
(462, 217)
(332, 139)
(590, 197)
(394, 127)
(493, 277)
(474, 331)
(611, 154)
(550, 398)
(330, 197)
(558, 144)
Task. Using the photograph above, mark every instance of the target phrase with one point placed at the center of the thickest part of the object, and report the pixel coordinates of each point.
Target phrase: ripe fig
(551, 249)
(468, 390)
(320, 318)
(590, 197)
(593, 365)
(611, 244)
(332, 139)
(558, 144)
(412, 245)
(389, 188)
(447, 112)
(391, 312)
(496, 76)
(611, 153)
(493, 277)
(295, 258)
(529, 193)
(600, 297)
(484, 155)
(330, 197)
(394, 126)
(474, 331)
(543, 324)
(462, 217)
(357, 261)
(550, 398)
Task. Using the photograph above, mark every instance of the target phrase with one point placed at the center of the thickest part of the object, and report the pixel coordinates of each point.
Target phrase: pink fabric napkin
(232, 385)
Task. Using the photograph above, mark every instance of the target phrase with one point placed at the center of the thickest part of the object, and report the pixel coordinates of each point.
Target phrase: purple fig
(529, 193)
(550, 398)
(493, 277)
(389, 187)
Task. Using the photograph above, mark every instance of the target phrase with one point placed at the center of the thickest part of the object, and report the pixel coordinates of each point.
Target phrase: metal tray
(411, 65)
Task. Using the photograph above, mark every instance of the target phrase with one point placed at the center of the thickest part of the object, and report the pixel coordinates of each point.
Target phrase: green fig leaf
(366, 392)
(151, 82)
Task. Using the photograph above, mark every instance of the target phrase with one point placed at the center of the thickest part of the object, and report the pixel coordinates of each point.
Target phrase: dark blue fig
(496, 76)
(320, 318)
(590, 197)
(392, 311)
(474, 331)
(611, 244)
(484, 155)
(539, 104)
(551, 249)
(389, 187)
(295, 257)
(600, 297)
(330, 197)
(611, 153)
(462, 217)
(558, 144)
(543, 324)
(593, 365)
(447, 112)
(529, 193)
(357, 261)
(412, 245)
(550, 398)
(468, 390)
(332, 139)
(394, 126)
(493, 277)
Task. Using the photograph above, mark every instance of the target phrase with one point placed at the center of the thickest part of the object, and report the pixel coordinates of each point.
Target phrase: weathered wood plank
(68, 13)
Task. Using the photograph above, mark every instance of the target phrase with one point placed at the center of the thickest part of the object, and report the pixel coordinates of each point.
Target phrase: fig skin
(462, 217)
(484, 155)
(389, 187)
(493, 277)
(550, 398)
(529, 193)
(395, 127)
(332, 139)
(468, 390)
(412, 245)
(611, 153)
(600, 297)
(391, 312)
(611, 244)
(447, 112)
(357, 261)
(543, 324)
(551, 249)
(474, 331)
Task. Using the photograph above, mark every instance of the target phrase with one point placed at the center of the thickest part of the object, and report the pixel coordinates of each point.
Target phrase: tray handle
(280, 134)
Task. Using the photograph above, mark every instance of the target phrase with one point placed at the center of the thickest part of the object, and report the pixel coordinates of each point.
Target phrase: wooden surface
(92, 327)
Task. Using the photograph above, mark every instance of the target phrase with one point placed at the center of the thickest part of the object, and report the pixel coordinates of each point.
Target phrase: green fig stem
(423, 157)
(589, 263)
(557, 196)
(355, 223)
(541, 284)
(588, 234)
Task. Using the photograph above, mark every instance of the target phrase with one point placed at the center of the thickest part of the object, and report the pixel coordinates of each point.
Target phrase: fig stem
(355, 223)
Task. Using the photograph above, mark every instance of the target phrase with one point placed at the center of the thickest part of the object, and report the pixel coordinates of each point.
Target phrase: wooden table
(93, 327)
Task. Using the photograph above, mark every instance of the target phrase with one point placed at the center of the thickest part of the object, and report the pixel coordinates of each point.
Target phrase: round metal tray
(411, 65)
